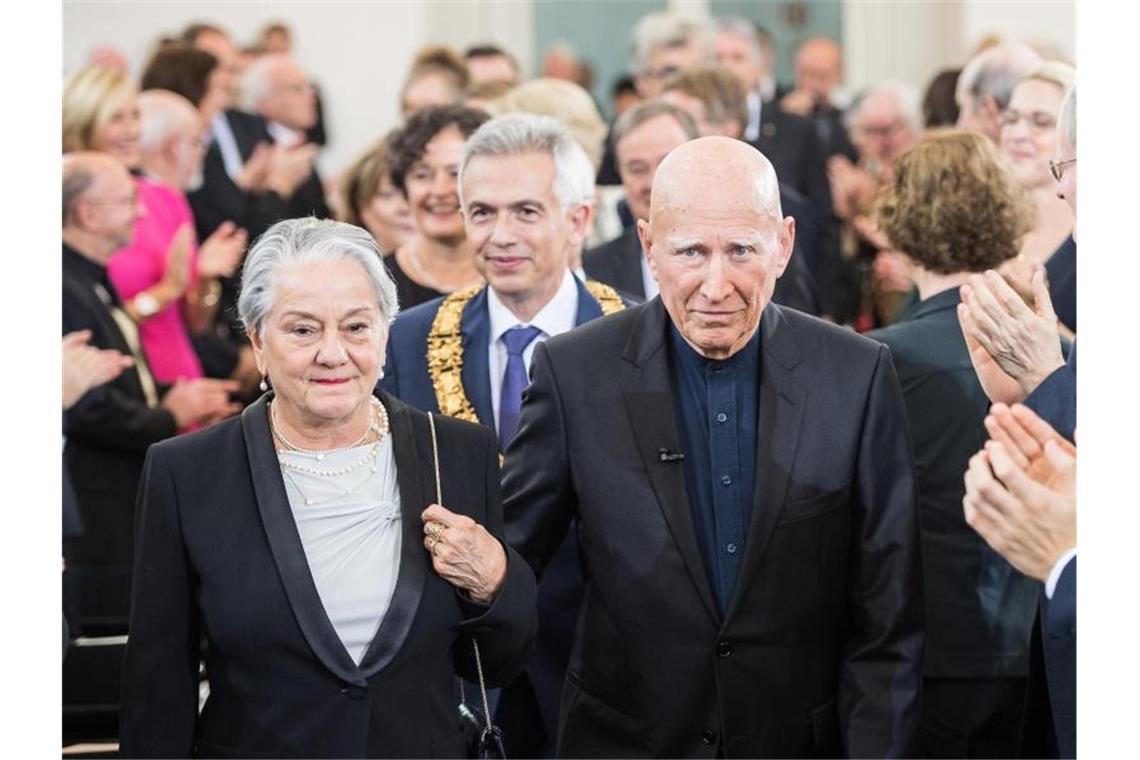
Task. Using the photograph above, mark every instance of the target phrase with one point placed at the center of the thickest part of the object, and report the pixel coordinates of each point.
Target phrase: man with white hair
(524, 186)
(664, 43)
(986, 85)
(743, 487)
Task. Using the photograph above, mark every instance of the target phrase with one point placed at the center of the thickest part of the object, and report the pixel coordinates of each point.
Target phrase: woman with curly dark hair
(955, 209)
(424, 158)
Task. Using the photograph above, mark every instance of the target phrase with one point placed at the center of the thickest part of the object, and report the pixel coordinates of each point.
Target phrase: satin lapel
(782, 404)
(285, 545)
(476, 328)
(414, 499)
(654, 425)
(588, 307)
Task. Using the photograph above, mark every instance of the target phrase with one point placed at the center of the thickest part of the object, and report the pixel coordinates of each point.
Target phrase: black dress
(409, 292)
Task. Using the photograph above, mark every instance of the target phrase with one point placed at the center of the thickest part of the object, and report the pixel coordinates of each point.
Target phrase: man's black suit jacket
(618, 264)
(820, 651)
(789, 141)
(108, 432)
(220, 558)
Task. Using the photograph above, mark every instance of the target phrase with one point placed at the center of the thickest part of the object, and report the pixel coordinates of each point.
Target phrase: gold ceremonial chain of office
(445, 347)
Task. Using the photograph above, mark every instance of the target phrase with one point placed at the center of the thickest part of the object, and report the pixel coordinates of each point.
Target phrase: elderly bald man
(744, 492)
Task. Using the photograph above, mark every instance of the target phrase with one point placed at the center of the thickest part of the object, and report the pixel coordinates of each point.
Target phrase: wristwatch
(146, 305)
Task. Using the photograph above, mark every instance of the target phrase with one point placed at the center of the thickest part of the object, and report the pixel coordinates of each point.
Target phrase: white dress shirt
(283, 135)
(223, 135)
(647, 281)
(1055, 574)
(556, 317)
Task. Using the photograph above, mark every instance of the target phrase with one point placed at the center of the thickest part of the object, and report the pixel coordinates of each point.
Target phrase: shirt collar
(92, 271)
(556, 317)
(941, 301)
(284, 135)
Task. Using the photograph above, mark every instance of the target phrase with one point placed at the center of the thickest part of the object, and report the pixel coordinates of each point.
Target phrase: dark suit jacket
(789, 141)
(979, 609)
(820, 651)
(618, 262)
(220, 557)
(108, 432)
(1055, 400)
(560, 592)
(1061, 268)
(1059, 648)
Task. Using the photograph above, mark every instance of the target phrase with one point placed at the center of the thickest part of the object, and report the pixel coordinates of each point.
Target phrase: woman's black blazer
(219, 560)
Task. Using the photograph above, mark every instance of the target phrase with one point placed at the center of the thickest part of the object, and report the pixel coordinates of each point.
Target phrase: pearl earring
(264, 386)
(380, 376)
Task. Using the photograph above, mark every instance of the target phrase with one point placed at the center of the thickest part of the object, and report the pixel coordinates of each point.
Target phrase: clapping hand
(220, 254)
(86, 367)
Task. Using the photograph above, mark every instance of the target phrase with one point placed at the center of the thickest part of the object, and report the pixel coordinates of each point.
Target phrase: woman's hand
(464, 554)
(220, 254)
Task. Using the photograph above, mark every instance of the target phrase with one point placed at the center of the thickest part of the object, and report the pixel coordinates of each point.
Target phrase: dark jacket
(220, 558)
(820, 651)
(979, 609)
(107, 432)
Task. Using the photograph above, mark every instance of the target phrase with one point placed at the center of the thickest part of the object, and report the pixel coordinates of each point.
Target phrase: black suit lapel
(413, 560)
(285, 545)
(651, 416)
(782, 404)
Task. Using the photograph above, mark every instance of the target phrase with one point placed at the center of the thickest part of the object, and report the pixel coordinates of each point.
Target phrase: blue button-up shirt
(717, 408)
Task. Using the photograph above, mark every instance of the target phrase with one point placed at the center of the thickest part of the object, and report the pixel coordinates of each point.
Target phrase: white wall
(357, 52)
(1050, 22)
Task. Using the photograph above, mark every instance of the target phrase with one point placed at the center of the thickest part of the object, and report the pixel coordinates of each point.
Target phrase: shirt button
(731, 548)
(723, 648)
(722, 418)
(726, 481)
(707, 737)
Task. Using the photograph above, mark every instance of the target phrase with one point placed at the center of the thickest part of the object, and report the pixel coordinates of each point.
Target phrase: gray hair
(664, 29)
(296, 241)
(742, 27)
(518, 134)
(257, 82)
(163, 113)
(996, 71)
(77, 180)
(1067, 120)
(904, 96)
(647, 111)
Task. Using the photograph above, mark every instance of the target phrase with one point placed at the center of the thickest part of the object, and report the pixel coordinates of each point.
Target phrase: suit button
(355, 693)
(723, 648)
(707, 737)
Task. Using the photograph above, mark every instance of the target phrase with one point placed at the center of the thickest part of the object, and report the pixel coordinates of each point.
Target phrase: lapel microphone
(670, 457)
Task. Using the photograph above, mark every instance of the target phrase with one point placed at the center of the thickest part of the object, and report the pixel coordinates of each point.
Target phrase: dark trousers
(971, 717)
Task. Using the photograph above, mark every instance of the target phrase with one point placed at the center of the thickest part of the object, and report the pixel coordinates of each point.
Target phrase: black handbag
(489, 743)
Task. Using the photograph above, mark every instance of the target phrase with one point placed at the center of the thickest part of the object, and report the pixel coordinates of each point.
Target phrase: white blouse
(350, 528)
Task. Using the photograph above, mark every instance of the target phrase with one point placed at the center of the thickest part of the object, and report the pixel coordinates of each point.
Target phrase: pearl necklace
(380, 430)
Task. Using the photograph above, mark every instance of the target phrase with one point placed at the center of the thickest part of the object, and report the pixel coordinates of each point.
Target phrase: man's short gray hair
(664, 29)
(162, 114)
(904, 96)
(742, 27)
(517, 134)
(299, 241)
(995, 72)
(647, 111)
(257, 82)
(1067, 120)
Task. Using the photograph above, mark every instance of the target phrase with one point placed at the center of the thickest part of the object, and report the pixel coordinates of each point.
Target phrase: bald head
(85, 172)
(716, 242)
(714, 171)
(165, 114)
(100, 205)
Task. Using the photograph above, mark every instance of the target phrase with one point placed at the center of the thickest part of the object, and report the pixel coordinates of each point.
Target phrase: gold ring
(432, 541)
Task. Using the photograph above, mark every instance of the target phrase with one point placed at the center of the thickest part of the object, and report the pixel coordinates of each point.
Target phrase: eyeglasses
(128, 200)
(1057, 168)
(1039, 121)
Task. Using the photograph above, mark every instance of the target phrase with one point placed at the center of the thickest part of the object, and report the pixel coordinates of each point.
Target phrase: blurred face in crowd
(321, 343)
(738, 55)
(665, 61)
(818, 68)
(119, 129)
(638, 155)
(290, 100)
(190, 145)
(218, 93)
(277, 41)
(624, 100)
(432, 191)
(695, 107)
(109, 208)
(880, 132)
(229, 65)
(1029, 131)
(716, 242)
(491, 68)
(428, 89)
(388, 217)
(1066, 155)
(521, 235)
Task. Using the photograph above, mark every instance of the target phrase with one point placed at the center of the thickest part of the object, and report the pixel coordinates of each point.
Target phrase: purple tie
(515, 380)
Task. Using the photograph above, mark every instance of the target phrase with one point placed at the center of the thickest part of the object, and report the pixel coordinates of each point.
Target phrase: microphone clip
(669, 457)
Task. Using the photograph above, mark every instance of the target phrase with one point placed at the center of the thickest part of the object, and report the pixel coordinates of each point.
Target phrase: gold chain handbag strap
(474, 643)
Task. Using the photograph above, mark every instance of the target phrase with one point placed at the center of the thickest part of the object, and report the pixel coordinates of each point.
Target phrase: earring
(264, 386)
(381, 375)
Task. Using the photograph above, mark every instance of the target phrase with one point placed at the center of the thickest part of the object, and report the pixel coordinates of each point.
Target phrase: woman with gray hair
(287, 546)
